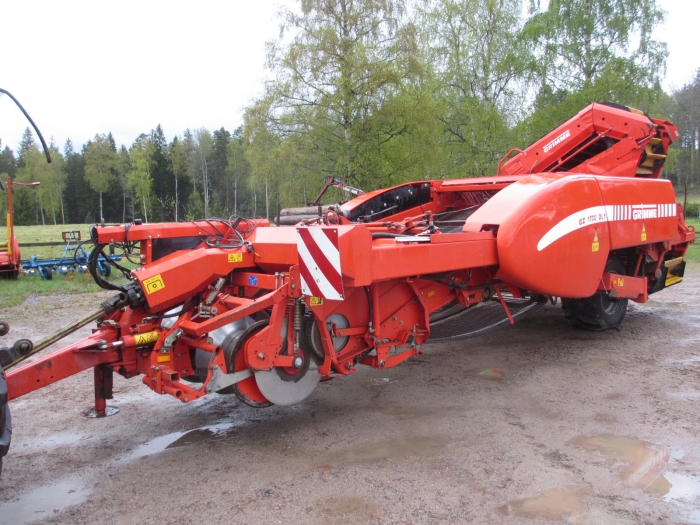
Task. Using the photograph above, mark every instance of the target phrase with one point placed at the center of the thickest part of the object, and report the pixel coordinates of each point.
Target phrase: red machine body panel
(639, 211)
(535, 250)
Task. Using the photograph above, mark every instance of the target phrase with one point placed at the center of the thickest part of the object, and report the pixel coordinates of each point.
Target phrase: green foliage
(100, 163)
(323, 114)
(378, 92)
(139, 178)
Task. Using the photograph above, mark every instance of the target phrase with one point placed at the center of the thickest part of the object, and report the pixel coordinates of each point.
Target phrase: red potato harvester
(265, 313)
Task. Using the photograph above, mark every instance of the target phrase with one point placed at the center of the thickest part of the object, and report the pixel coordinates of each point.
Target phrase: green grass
(48, 233)
(15, 292)
(693, 253)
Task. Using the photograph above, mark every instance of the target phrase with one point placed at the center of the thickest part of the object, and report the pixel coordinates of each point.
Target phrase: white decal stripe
(574, 222)
(326, 246)
(305, 287)
(326, 288)
(597, 214)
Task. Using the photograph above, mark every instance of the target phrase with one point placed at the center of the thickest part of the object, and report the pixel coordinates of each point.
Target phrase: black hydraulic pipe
(41, 137)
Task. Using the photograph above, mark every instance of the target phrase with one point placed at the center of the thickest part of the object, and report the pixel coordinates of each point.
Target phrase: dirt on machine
(266, 313)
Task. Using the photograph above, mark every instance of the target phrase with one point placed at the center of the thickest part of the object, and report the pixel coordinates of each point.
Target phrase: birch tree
(100, 165)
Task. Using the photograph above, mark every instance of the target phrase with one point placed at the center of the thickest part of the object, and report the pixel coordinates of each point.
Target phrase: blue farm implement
(74, 258)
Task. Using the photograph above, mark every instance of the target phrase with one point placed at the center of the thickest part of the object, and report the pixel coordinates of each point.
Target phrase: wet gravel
(536, 423)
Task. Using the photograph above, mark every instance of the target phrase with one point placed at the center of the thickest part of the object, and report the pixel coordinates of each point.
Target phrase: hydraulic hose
(58, 335)
(131, 296)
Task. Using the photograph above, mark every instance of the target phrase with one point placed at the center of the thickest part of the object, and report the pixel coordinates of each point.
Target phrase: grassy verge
(48, 233)
(693, 253)
(15, 292)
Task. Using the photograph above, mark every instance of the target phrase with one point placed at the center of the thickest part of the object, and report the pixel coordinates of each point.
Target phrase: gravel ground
(536, 423)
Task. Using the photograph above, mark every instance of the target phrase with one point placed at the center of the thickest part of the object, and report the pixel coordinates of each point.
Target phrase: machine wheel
(107, 271)
(598, 312)
(48, 273)
(289, 386)
(246, 390)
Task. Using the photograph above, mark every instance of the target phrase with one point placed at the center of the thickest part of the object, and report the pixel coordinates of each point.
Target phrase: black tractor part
(597, 312)
(5, 420)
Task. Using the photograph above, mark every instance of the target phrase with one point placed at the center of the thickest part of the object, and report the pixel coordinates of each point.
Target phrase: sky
(84, 67)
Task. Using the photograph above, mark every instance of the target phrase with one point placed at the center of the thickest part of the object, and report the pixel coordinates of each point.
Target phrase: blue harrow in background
(74, 258)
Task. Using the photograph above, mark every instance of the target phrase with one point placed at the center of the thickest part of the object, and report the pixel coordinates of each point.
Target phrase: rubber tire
(598, 312)
(48, 273)
(107, 271)
(6, 425)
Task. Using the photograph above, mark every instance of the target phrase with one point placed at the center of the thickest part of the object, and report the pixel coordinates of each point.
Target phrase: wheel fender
(552, 233)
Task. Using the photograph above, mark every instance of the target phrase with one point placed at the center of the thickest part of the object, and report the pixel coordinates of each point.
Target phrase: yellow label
(620, 282)
(315, 301)
(235, 257)
(146, 338)
(163, 358)
(595, 246)
(644, 233)
(153, 284)
(431, 293)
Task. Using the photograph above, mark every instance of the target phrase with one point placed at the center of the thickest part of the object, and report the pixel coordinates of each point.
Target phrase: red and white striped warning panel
(319, 262)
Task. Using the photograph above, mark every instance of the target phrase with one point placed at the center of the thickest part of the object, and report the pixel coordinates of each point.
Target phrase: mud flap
(5, 420)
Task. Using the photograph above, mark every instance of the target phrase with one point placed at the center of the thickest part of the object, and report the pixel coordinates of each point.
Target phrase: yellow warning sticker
(431, 293)
(644, 233)
(595, 246)
(146, 338)
(620, 282)
(163, 358)
(153, 284)
(315, 301)
(235, 257)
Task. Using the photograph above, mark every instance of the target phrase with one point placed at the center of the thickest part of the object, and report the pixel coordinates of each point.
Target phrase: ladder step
(644, 171)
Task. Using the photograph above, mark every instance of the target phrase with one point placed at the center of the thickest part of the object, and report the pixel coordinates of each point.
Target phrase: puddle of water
(605, 418)
(683, 487)
(643, 462)
(41, 502)
(593, 364)
(486, 373)
(554, 504)
(695, 360)
(351, 507)
(402, 413)
(183, 439)
(686, 396)
(419, 446)
(694, 517)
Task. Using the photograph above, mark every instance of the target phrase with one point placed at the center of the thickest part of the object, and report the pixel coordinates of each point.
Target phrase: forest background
(375, 92)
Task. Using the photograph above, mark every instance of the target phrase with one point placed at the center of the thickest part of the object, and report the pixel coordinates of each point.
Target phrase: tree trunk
(63, 215)
(102, 217)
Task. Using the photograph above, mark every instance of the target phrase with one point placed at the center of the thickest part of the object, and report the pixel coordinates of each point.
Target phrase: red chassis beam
(63, 363)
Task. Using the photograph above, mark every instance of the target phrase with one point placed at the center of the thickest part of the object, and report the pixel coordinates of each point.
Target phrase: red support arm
(61, 364)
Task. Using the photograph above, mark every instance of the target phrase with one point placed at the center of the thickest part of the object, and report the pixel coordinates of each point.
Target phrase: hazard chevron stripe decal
(319, 262)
